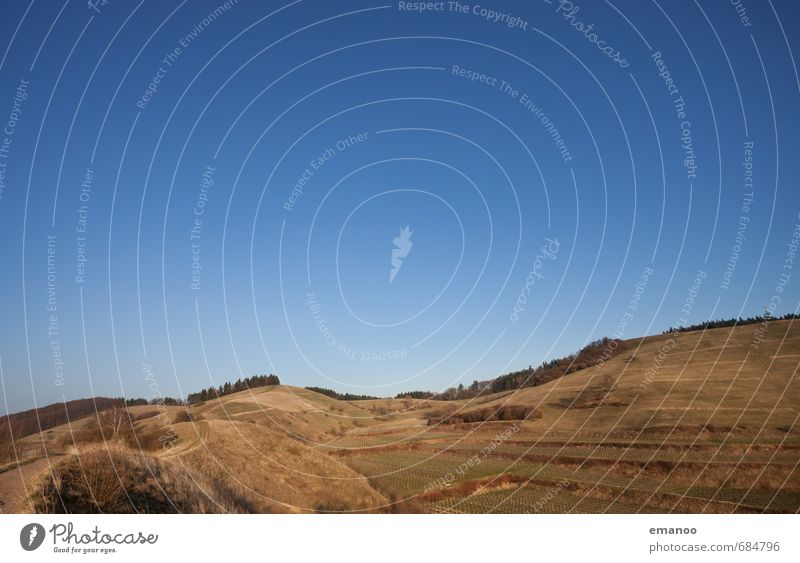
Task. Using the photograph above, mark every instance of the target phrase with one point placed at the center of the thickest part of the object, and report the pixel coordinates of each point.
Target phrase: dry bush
(181, 416)
(186, 416)
(506, 412)
(117, 426)
(405, 506)
(332, 507)
(396, 505)
(467, 488)
(9, 433)
(440, 414)
(120, 480)
(44, 418)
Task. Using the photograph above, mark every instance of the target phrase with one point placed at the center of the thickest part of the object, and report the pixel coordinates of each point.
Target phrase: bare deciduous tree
(112, 422)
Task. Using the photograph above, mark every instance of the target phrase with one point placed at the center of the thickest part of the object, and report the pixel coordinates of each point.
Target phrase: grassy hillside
(36, 420)
(702, 421)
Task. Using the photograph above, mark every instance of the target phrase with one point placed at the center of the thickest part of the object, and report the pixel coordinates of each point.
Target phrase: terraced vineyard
(710, 426)
(713, 431)
(590, 477)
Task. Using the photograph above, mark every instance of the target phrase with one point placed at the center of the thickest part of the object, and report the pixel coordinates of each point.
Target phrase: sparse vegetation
(9, 433)
(119, 480)
(599, 437)
(118, 426)
(37, 420)
(504, 412)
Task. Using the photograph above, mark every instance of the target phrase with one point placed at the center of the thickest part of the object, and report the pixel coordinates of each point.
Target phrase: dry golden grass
(713, 414)
(115, 479)
(279, 470)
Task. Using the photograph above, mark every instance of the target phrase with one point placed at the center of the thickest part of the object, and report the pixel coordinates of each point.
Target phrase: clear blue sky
(486, 132)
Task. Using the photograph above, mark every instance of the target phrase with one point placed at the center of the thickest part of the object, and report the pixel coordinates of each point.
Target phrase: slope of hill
(36, 420)
(702, 421)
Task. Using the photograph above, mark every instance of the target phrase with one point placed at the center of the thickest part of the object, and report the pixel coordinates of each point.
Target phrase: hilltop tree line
(450, 394)
(35, 420)
(595, 353)
(591, 355)
(227, 388)
(169, 401)
(737, 321)
(21, 424)
(414, 395)
(341, 396)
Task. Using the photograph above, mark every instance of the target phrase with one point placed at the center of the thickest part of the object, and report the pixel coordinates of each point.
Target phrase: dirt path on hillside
(189, 444)
(15, 483)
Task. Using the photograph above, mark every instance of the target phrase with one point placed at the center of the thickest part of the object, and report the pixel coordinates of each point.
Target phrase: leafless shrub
(332, 507)
(505, 412)
(118, 480)
(115, 426)
(9, 434)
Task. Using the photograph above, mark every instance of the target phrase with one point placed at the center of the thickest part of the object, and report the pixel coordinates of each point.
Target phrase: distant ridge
(43, 418)
(595, 353)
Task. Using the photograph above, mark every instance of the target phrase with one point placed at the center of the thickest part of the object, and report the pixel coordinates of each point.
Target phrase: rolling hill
(694, 421)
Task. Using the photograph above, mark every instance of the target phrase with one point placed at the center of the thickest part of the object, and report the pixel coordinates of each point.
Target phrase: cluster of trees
(341, 396)
(414, 395)
(722, 323)
(450, 394)
(169, 401)
(227, 388)
(461, 392)
(136, 402)
(595, 353)
(591, 355)
(15, 426)
(21, 424)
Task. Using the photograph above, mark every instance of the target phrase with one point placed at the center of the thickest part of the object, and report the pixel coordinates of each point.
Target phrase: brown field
(706, 422)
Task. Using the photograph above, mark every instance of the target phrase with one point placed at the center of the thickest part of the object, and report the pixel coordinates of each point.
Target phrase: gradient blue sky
(266, 87)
